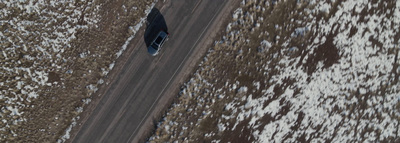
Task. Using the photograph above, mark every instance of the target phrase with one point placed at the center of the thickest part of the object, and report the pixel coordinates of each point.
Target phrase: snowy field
(295, 71)
(54, 54)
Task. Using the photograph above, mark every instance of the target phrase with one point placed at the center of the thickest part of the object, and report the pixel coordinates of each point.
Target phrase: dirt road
(142, 85)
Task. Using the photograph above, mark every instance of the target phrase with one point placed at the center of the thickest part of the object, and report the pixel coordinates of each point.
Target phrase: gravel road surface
(144, 85)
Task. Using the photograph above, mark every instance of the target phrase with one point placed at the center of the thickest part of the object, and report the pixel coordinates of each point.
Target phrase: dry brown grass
(47, 116)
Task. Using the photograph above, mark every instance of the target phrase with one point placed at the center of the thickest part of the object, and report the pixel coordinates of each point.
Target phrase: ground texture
(53, 56)
(295, 71)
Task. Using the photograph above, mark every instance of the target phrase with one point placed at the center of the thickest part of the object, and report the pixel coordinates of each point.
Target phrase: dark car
(157, 43)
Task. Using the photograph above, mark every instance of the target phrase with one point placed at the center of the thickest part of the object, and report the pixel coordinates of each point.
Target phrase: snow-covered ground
(33, 40)
(53, 56)
(304, 71)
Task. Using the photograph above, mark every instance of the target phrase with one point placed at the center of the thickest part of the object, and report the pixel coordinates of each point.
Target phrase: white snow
(242, 89)
(338, 82)
(266, 44)
(256, 84)
(87, 100)
(237, 13)
(14, 111)
(66, 136)
(33, 94)
(357, 93)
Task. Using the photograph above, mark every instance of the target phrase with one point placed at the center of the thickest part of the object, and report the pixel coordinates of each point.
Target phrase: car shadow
(155, 23)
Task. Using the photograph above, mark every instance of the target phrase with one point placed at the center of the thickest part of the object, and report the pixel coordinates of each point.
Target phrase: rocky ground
(295, 71)
(53, 56)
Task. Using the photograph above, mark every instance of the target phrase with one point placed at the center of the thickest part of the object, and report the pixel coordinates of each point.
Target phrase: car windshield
(158, 40)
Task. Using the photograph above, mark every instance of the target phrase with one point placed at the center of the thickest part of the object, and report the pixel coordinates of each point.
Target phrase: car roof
(162, 35)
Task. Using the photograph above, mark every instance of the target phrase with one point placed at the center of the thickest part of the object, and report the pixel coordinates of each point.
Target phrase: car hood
(152, 51)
